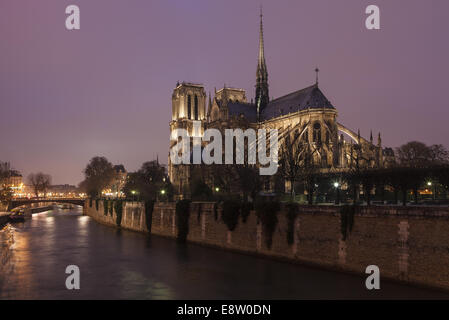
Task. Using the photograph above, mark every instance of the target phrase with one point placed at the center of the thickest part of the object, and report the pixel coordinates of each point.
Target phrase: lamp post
(217, 190)
(134, 194)
(163, 193)
(337, 185)
(433, 189)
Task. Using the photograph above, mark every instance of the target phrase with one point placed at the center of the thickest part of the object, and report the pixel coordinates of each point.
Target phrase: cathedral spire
(262, 96)
(261, 60)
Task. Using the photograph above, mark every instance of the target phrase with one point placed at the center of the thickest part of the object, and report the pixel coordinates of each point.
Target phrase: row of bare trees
(416, 166)
(40, 182)
(399, 182)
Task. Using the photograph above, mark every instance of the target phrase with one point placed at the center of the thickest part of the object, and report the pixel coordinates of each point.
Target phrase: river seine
(119, 264)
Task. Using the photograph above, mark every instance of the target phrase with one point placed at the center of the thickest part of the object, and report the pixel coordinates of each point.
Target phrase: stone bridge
(21, 202)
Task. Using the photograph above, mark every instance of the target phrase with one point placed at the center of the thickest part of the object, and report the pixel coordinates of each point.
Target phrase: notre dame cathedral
(307, 113)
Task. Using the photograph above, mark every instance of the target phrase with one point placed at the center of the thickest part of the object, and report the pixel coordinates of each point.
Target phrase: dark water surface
(118, 264)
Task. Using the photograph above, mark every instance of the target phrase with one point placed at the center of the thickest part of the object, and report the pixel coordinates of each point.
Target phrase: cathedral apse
(306, 114)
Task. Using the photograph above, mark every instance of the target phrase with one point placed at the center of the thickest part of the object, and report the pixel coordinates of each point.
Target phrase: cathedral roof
(247, 109)
(307, 98)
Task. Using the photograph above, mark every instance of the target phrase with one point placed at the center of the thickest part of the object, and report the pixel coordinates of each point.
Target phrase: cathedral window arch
(189, 106)
(317, 132)
(196, 108)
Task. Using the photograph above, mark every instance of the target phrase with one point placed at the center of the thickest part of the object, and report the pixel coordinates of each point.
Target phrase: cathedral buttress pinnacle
(262, 97)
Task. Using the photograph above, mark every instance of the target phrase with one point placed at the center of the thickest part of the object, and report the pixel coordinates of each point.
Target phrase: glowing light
(336, 184)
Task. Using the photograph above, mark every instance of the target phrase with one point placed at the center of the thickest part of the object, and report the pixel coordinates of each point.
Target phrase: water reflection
(19, 264)
(117, 264)
(134, 284)
(83, 226)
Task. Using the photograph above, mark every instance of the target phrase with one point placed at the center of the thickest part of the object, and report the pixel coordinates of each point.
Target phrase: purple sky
(66, 96)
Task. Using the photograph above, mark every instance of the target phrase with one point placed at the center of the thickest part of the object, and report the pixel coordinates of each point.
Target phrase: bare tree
(291, 160)
(40, 182)
(45, 181)
(249, 180)
(34, 182)
(418, 154)
(296, 164)
(439, 154)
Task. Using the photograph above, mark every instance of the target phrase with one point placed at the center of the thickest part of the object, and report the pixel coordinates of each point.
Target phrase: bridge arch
(21, 202)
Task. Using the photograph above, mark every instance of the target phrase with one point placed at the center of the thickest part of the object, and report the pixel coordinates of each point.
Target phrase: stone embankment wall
(409, 244)
(133, 215)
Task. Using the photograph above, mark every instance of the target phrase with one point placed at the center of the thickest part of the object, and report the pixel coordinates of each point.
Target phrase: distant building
(15, 179)
(12, 179)
(62, 190)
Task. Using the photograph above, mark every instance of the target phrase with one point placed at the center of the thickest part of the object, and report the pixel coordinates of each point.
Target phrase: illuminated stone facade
(306, 114)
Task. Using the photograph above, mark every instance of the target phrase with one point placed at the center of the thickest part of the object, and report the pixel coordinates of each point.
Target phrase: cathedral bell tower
(262, 97)
(188, 105)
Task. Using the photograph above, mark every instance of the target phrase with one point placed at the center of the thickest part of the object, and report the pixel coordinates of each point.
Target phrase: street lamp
(162, 194)
(133, 193)
(429, 184)
(336, 185)
(217, 189)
